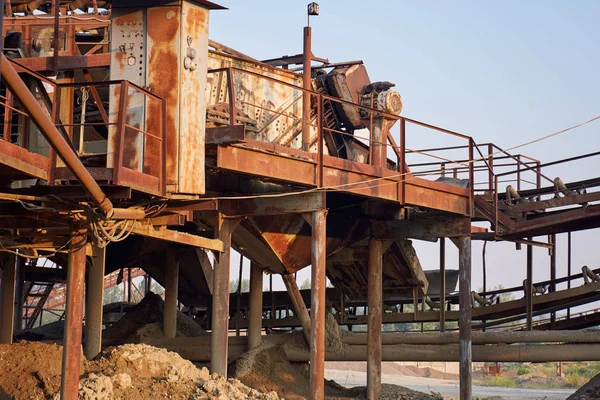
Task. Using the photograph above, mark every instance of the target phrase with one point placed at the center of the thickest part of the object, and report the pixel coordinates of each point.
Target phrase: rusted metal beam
(375, 302)
(422, 228)
(171, 289)
(298, 304)
(170, 235)
(220, 302)
(7, 305)
(277, 205)
(54, 137)
(255, 306)
(43, 64)
(94, 302)
(555, 202)
(464, 322)
(318, 306)
(71, 362)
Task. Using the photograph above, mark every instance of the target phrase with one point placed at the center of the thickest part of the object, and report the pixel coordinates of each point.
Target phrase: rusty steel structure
(129, 139)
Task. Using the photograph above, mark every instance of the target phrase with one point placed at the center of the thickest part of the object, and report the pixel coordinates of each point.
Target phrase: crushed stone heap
(31, 370)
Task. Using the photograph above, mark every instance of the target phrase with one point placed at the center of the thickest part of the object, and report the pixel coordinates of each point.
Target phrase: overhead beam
(170, 235)
(422, 228)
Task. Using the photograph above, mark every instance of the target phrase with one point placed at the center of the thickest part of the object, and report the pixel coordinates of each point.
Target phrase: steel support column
(552, 239)
(529, 288)
(375, 302)
(442, 284)
(71, 361)
(220, 299)
(306, 84)
(7, 308)
(318, 306)
(19, 293)
(94, 297)
(255, 306)
(171, 288)
(298, 304)
(464, 323)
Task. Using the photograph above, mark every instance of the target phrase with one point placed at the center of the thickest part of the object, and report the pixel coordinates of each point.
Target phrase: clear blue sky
(505, 72)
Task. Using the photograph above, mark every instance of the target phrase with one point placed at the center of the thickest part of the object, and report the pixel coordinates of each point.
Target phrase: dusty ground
(31, 370)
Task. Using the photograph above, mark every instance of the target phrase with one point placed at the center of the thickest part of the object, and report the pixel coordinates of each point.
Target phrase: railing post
(320, 141)
(402, 162)
(491, 166)
(231, 93)
(56, 120)
(471, 177)
(538, 180)
(120, 139)
(518, 172)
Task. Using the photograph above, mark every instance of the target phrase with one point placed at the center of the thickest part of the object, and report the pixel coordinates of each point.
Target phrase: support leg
(19, 294)
(529, 288)
(553, 276)
(94, 302)
(255, 306)
(443, 285)
(172, 286)
(7, 311)
(220, 300)
(464, 286)
(298, 304)
(375, 301)
(318, 306)
(74, 317)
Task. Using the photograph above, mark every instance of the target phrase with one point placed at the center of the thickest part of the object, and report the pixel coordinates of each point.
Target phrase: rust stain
(162, 32)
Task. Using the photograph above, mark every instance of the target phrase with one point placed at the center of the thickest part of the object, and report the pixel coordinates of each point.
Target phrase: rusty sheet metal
(348, 270)
(192, 106)
(289, 236)
(164, 63)
(272, 109)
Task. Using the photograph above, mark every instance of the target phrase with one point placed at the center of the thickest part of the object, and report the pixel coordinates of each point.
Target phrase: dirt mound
(29, 370)
(32, 371)
(589, 391)
(266, 368)
(147, 312)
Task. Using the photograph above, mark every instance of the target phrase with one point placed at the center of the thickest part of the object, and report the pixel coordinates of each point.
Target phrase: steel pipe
(16, 85)
(93, 303)
(298, 304)
(450, 352)
(255, 306)
(171, 288)
(393, 338)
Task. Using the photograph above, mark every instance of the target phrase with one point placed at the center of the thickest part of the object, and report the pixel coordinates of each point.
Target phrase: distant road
(448, 387)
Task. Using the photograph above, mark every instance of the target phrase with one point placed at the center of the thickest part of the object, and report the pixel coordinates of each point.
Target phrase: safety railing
(123, 145)
(271, 109)
(135, 145)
